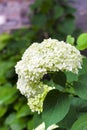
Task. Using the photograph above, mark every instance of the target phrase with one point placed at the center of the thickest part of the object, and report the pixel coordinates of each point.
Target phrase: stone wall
(14, 14)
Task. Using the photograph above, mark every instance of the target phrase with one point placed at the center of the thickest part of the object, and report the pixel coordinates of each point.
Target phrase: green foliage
(57, 108)
(10, 95)
(52, 18)
(81, 123)
(59, 78)
(67, 104)
(3, 40)
(70, 39)
(46, 21)
(14, 112)
(58, 11)
(24, 111)
(81, 87)
(14, 122)
(82, 42)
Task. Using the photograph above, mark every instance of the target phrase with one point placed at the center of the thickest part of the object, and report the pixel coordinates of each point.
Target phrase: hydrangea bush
(50, 74)
(39, 59)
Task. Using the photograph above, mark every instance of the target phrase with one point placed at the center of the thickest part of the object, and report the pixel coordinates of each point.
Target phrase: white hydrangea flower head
(50, 55)
(36, 103)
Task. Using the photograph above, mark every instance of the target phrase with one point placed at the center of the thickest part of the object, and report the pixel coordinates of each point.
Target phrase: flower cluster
(49, 56)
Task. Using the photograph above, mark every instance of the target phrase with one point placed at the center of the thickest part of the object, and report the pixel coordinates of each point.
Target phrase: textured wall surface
(81, 14)
(14, 14)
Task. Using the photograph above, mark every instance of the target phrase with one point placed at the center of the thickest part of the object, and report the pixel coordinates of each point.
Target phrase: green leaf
(30, 124)
(81, 123)
(67, 26)
(2, 45)
(37, 119)
(39, 21)
(5, 37)
(36, 4)
(7, 94)
(59, 78)
(18, 125)
(14, 122)
(82, 42)
(70, 39)
(3, 110)
(81, 88)
(10, 119)
(84, 67)
(69, 10)
(3, 72)
(58, 11)
(24, 111)
(83, 79)
(3, 40)
(71, 77)
(20, 102)
(46, 6)
(34, 121)
(79, 104)
(69, 119)
(56, 106)
(4, 128)
(52, 84)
